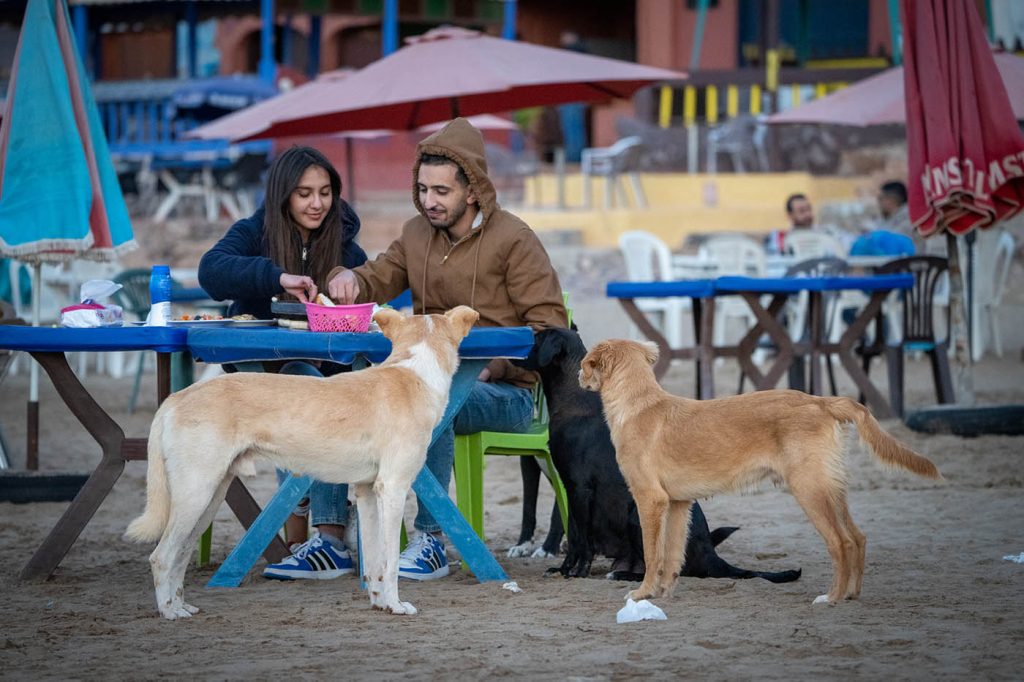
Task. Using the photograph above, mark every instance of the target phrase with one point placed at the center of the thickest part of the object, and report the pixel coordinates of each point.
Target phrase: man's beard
(454, 217)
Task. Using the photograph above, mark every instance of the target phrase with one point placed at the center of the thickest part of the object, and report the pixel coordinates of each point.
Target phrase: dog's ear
(650, 351)
(590, 369)
(388, 320)
(550, 344)
(462, 318)
(547, 346)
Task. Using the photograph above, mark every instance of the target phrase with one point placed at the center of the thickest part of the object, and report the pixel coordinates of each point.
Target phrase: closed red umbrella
(965, 152)
(449, 72)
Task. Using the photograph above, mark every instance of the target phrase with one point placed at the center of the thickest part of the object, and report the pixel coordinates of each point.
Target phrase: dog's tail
(886, 448)
(150, 525)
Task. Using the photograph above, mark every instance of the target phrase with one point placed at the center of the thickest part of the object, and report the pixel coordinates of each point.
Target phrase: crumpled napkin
(635, 611)
(90, 312)
(1015, 558)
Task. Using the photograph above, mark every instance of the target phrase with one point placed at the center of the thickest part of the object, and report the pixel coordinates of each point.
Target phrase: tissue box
(84, 315)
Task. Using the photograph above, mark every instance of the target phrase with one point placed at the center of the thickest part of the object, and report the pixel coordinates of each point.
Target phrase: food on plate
(243, 316)
(200, 316)
(323, 300)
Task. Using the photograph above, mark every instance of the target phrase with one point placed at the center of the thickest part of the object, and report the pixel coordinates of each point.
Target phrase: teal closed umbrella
(59, 195)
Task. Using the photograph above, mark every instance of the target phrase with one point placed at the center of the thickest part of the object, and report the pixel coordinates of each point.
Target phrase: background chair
(469, 460)
(622, 158)
(133, 297)
(994, 256)
(648, 259)
(733, 254)
(918, 329)
(7, 316)
(798, 323)
(805, 244)
(742, 138)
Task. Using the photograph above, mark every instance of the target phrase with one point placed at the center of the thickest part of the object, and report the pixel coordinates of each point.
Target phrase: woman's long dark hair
(281, 234)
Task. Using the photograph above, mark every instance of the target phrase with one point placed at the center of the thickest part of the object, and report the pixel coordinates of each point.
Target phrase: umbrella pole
(350, 172)
(32, 445)
(963, 380)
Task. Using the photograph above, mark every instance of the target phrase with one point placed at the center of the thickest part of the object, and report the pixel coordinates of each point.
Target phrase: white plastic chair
(52, 297)
(991, 273)
(623, 157)
(807, 244)
(648, 259)
(733, 254)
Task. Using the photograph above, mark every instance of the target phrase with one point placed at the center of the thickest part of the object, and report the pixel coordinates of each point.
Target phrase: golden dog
(369, 428)
(673, 451)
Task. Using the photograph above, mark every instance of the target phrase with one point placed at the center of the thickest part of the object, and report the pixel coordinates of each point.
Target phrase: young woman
(286, 249)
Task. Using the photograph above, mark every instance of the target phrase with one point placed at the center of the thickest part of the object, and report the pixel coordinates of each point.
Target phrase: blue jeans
(490, 407)
(328, 502)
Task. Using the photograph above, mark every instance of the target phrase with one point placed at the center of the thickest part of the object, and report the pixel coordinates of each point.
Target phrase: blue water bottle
(159, 296)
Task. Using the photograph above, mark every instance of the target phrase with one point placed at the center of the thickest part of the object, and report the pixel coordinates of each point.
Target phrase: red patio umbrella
(879, 99)
(444, 73)
(965, 151)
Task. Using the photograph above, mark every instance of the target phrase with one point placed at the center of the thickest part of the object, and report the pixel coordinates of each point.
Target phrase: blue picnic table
(232, 344)
(777, 290)
(224, 344)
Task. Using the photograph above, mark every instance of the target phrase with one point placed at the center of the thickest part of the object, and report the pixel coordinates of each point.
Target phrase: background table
(752, 289)
(233, 345)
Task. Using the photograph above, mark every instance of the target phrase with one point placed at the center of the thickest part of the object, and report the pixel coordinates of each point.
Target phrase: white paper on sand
(512, 586)
(635, 611)
(1015, 558)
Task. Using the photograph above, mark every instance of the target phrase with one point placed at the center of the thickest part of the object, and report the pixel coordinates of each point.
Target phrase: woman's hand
(344, 288)
(299, 286)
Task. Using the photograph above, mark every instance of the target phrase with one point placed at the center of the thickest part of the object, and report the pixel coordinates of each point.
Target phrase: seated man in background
(801, 217)
(892, 204)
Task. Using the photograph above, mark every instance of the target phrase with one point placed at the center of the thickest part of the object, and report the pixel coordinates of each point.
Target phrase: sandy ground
(938, 599)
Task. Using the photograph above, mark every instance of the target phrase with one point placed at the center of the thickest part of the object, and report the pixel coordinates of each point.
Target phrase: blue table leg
(474, 552)
(251, 546)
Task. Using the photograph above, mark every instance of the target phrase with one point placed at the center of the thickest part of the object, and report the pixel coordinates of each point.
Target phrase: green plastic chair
(133, 297)
(469, 460)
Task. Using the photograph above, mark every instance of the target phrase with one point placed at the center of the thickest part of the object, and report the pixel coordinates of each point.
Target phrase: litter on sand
(512, 586)
(1015, 558)
(635, 611)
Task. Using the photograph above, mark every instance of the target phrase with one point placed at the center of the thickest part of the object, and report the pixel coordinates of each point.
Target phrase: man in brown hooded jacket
(462, 249)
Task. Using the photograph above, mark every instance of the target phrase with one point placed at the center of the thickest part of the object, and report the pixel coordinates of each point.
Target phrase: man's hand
(344, 288)
(299, 286)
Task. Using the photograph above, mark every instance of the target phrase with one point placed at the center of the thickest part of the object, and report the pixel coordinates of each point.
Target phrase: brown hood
(463, 144)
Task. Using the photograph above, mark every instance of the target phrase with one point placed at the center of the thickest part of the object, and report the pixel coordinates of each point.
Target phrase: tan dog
(673, 451)
(369, 428)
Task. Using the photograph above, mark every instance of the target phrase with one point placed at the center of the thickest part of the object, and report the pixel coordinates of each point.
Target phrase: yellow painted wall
(680, 204)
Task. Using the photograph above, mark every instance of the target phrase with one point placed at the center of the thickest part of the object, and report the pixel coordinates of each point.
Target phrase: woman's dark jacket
(238, 268)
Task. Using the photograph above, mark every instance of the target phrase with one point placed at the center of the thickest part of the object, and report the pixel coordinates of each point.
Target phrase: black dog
(602, 514)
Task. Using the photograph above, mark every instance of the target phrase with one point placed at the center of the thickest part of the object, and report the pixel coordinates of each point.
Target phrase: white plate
(221, 323)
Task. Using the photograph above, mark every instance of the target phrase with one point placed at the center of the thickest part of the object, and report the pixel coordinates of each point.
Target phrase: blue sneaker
(314, 559)
(423, 559)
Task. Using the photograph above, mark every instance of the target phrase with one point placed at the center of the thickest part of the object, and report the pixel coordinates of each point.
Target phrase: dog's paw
(639, 595)
(541, 553)
(401, 608)
(822, 599)
(521, 550)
